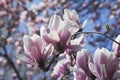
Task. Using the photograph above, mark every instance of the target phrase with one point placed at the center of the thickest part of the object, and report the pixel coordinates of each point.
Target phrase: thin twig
(100, 34)
(1, 54)
(11, 62)
(53, 59)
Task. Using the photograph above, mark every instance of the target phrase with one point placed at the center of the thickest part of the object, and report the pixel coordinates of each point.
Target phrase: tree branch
(11, 62)
(53, 59)
(100, 34)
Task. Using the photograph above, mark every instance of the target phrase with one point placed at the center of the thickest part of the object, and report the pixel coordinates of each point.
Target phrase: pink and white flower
(106, 65)
(36, 50)
(81, 69)
(60, 32)
(61, 67)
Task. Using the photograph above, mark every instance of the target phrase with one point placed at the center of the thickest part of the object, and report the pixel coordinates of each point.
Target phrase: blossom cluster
(61, 43)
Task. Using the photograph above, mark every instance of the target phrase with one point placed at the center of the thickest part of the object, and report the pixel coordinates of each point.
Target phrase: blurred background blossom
(21, 17)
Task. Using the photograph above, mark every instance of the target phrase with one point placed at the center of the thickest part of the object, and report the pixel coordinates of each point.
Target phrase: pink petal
(34, 53)
(54, 22)
(66, 30)
(93, 69)
(43, 31)
(38, 42)
(113, 61)
(64, 37)
(25, 59)
(82, 60)
(103, 71)
(99, 58)
(72, 27)
(116, 75)
(52, 37)
(78, 41)
(27, 41)
(49, 50)
(70, 15)
(116, 47)
(79, 73)
(32, 46)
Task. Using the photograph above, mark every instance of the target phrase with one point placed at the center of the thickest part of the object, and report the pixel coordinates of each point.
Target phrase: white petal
(97, 56)
(103, 71)
(93, 69)
(38, 42)
(54, 22)
(73, 27)
(24, 58)
(70, 26)
(116, 75)
(82, 59)
(49, 49)
(27, 41)
(43, 30)
(78, 41)
(70, 15)
(54, 36)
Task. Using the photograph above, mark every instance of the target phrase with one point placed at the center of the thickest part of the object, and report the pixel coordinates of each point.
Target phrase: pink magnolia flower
(36, 50)
(81, 69)
(61, 67)
(116, 47)
(106, 65)
(60, 32)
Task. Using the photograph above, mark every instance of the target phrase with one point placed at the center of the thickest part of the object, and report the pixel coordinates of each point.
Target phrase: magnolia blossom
(36, 50)
(116, 47)
(61, 67)
(81, 69)
(106, 65)
(60, 32)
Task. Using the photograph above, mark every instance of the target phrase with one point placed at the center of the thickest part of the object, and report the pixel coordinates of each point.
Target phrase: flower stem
(104, 34)
(53, 59)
